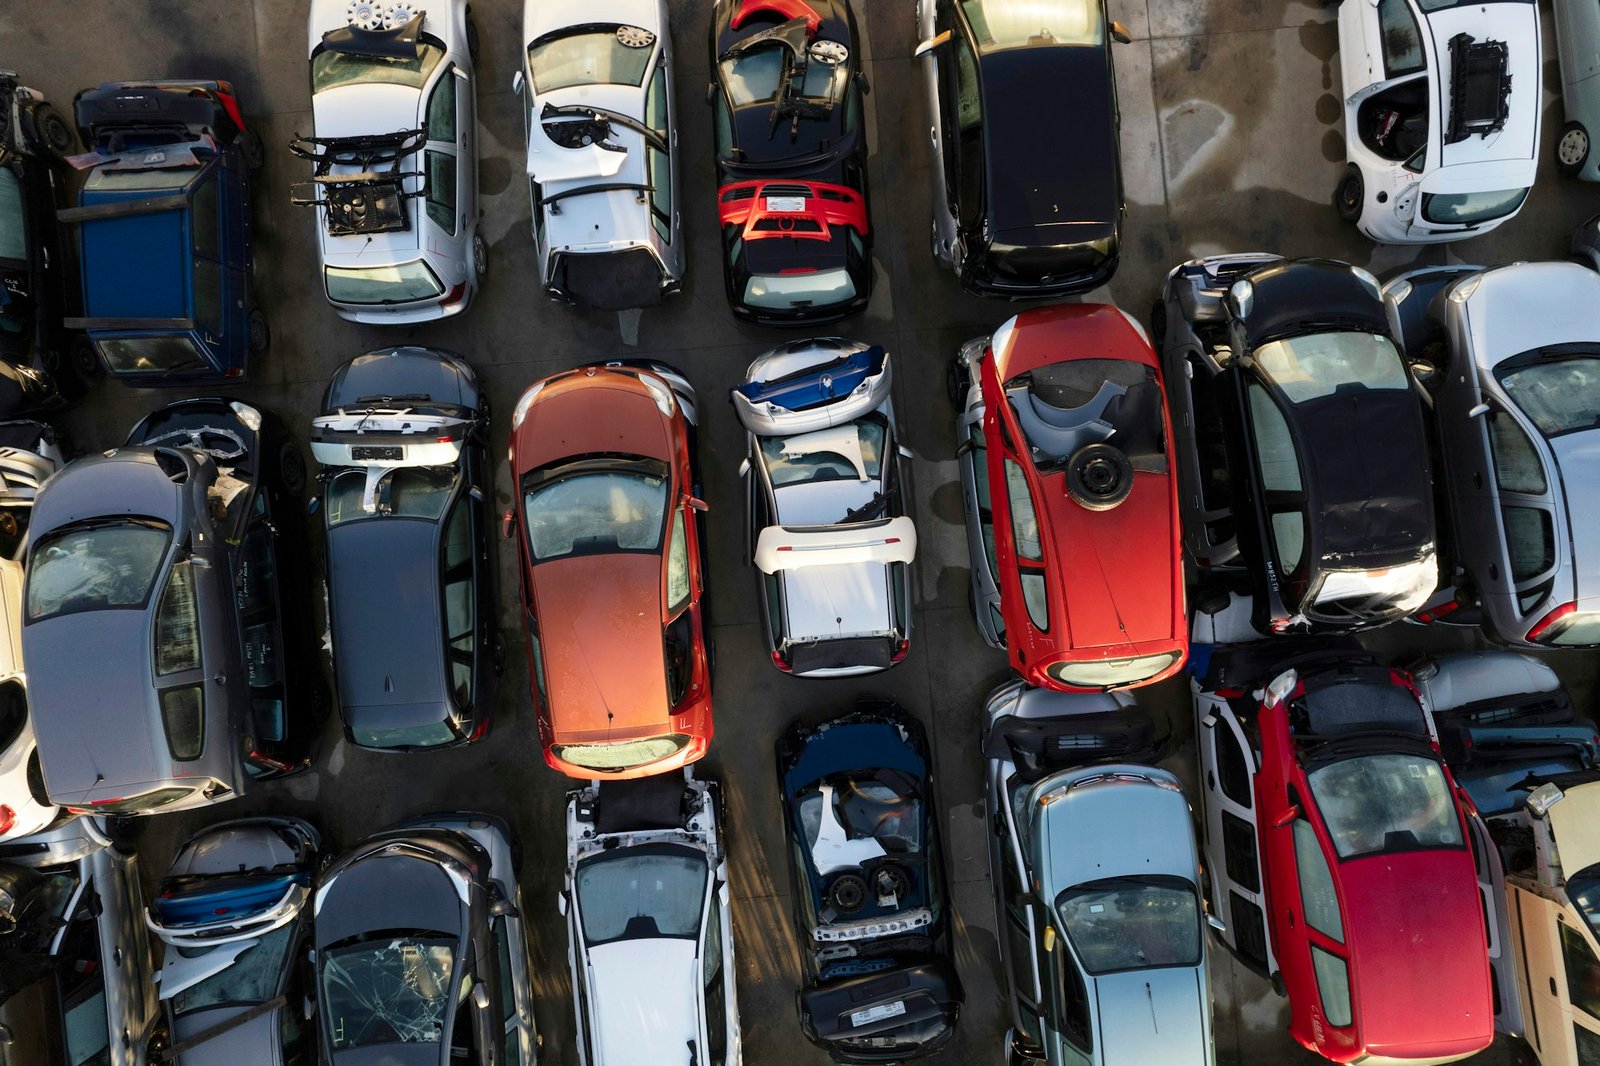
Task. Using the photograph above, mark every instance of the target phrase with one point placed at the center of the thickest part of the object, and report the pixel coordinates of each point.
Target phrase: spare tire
(848, 893)
(1099, 477)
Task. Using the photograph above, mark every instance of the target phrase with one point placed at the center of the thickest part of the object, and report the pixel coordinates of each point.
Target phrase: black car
(1027, 198)
(791, 149)
(869, 886)
(411, 582)
(41, 361)
(1305, 470)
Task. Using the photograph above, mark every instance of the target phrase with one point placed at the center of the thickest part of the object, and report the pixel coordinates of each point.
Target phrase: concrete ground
(1231, 141)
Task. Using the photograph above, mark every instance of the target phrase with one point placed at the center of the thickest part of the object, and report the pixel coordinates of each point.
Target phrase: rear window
(151, 354)
(1469, 207)
(331, 70)
(783, 292)
(398, 284)
(105, 567)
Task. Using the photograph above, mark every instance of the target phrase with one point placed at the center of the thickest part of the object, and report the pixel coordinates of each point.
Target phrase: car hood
(1078, 836)
(1154, 1016)
(1575, 825)
(643, 997)
(98, 723)
(540, 18)
(1518, 26)
(1371, 493)
(601, 636)
(384, 613)
(579, 415)
(1517, 308)
(125, 482)
(1051, 163)
(1410, 913)
(1578, 455)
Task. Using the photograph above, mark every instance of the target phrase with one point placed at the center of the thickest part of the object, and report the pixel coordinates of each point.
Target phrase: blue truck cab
(163, 224)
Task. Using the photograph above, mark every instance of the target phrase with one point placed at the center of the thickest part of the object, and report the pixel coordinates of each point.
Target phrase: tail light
(777, 660)
(1554, 618)
(1439, 612)
(8, 818)
(457, 293)
(900, 652)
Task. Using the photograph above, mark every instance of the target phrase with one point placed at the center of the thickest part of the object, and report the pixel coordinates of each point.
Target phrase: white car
(828, 528)
(1441, 115)
(394, 155)
(596, 85)
(24, 810)
(649, 927)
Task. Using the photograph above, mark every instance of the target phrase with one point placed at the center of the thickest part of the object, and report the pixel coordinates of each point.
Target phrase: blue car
(163, 225)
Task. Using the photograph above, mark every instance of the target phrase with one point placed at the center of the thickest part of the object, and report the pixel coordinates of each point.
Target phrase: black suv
(1027, 170)
(1305, 479)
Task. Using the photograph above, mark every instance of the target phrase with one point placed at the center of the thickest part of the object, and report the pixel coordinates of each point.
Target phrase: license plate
(877, 1014)
(787, 204)
(374, 453)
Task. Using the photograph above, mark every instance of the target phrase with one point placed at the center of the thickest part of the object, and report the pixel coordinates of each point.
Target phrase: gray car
(165, 561)
(972, 460)
(828, 528)
(1510, 358)
(1102, 940)
(1578, 47)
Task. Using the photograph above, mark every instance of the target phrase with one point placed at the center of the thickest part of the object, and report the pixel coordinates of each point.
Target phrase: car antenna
(1151, 999)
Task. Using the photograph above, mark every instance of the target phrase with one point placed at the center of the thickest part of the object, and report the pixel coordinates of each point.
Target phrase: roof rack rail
(370, 199)
(1479, 88)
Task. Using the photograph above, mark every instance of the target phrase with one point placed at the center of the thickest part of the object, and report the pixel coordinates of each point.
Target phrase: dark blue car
(163, 226)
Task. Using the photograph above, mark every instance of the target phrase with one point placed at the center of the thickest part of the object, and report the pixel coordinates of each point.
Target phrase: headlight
(526, 401)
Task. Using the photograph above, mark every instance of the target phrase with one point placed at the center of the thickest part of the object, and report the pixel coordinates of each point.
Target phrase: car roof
(1154, 1015)
(600, 634)
(1052, 169)
(137, 265)
(591, 410)
(642, 998)
(388, 890)
(384, 599)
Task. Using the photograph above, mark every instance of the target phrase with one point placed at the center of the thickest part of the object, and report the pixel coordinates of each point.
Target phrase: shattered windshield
(1132, 923)
(852, 452)
(596, 512)
(636, 893)
(1560, 395)
(251, 978)
(883, 808)
(388, 990)
(1385, 803)
(107, 566)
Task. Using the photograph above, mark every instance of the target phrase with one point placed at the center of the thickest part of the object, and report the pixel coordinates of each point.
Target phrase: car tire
(1572, 150)
(480, 255)
(260, 335)
(1349, 194)
(85, 361)
(1099, 477)
(53, 131)
(251, 150)
(952, 382)
(291, 469)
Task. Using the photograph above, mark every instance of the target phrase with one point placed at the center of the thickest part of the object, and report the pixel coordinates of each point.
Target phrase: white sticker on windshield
(877, 1014)
(786, 204)
(1416, 771)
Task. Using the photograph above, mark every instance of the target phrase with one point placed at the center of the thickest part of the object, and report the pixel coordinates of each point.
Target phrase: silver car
(828, 528)
(1578, 47)
(1103, 943)
(648, 920)
(1510, 358)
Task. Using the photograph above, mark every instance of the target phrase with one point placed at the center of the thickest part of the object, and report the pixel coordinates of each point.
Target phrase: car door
(458, 587)
(768, 586)
(1571, 968)
(661, 169)
(447, 168)
(1358, 45)
(1020, 918)
(211, 273)
(714, 983)
(515, 1012)
(1578, 45)
(973, 461)
(1520, 573)
(1229, 766)
(261, 635)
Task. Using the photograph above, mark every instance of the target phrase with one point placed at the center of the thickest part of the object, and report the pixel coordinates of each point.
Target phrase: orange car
(610, 539)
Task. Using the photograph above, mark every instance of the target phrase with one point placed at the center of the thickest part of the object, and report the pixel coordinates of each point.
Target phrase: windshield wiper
(873, 508)
(187, 364)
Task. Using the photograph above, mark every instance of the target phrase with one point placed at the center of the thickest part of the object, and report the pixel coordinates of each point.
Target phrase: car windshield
(332, 70)
(252, 977)
(1559, 395)
(590, 55)
(853, 452)
(885, 807)
(1385, 803)
(406, 492)
(1001, 24)
(637, 893)
(427, 735)
(138, 355)
(1583, 888)
(107, 566)
(594, 513)
(393, 989)
(1469, 207)
(753, 76)
(1132, 923)
(1322, 364)
(398, 284)
(13, 238)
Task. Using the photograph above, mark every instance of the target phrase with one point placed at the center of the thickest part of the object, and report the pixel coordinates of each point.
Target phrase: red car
(611, 546)
(1080, 535)
(1337, 846)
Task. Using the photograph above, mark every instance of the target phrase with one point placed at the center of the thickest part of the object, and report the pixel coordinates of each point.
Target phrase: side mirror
(517, 83)
(722, 893)
(508, 523)
(905, 453)
(1121, 34)
(476, 493)
(930, 44)
(463, 74)
(744, 468)
(480, 996)
(1216, 923)
(696, 504)
(308, 1008)
(1478, 411)
(313, 505)
(1285, 816)
(1049, 939)
(711, 92)
(561, 903)
(1210, 720)
(866, 86)
(501, 907)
